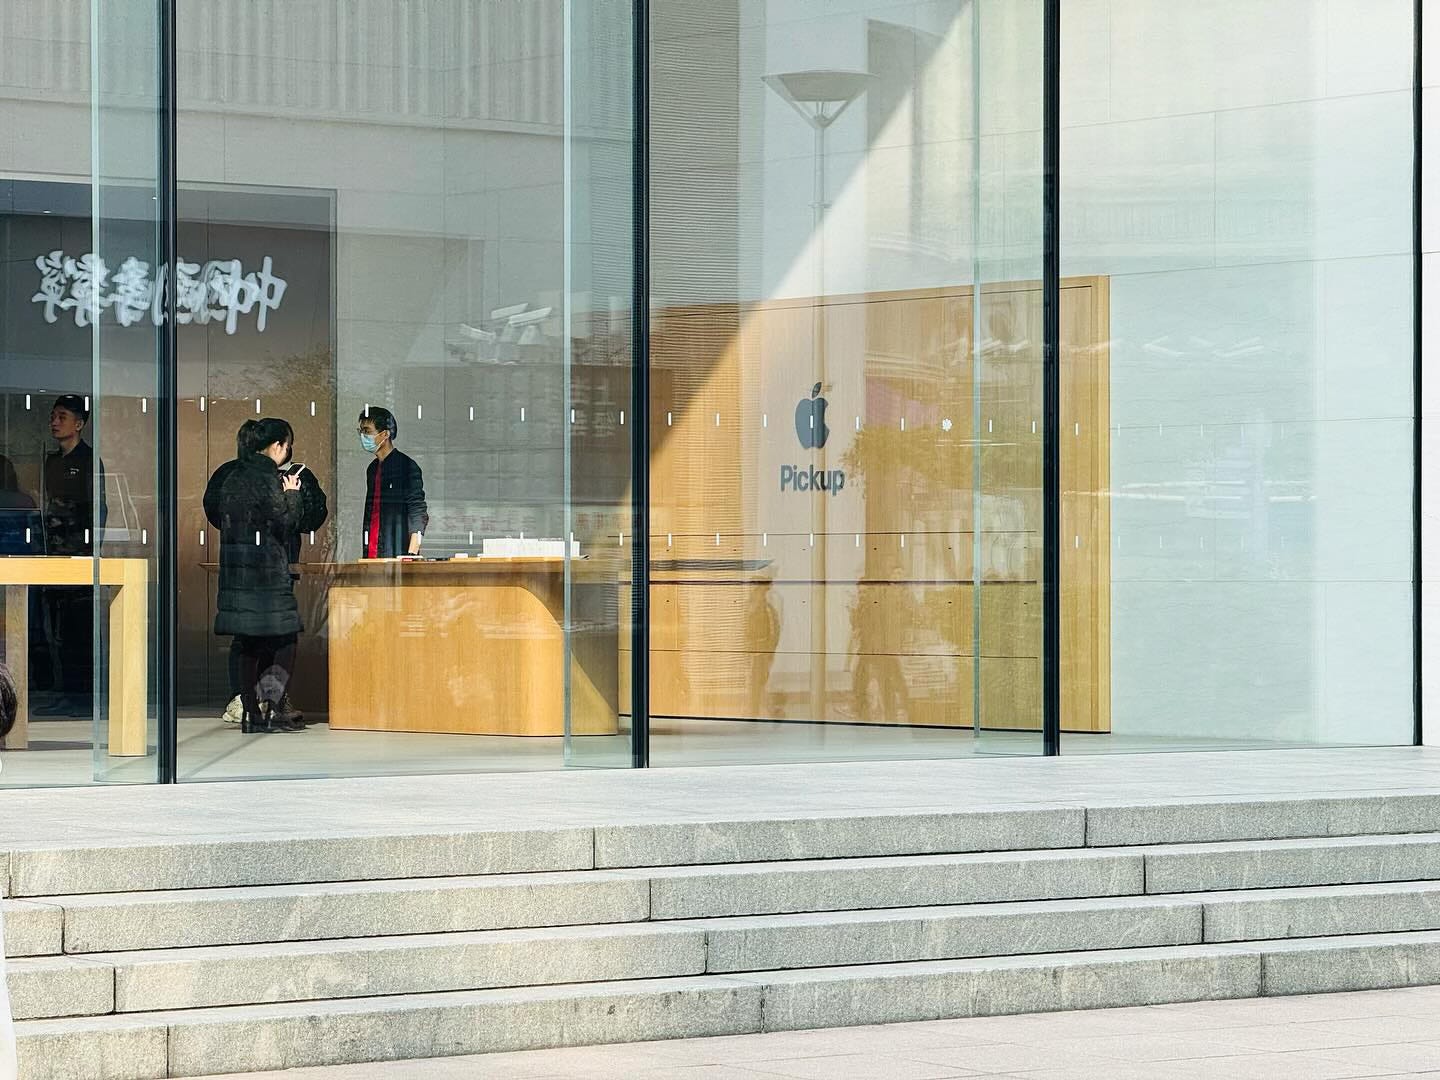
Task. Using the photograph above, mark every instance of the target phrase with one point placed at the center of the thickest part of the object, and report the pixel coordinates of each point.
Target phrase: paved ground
(97, 816)
(1391, 1033)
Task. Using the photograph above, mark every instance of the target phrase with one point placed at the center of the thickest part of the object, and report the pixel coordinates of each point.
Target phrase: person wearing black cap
(395, 512)
(73, 514)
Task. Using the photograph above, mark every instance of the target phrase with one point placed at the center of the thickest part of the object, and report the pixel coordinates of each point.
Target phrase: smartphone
(295, 468)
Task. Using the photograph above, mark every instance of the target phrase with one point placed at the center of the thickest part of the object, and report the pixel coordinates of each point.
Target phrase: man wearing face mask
(395, 512)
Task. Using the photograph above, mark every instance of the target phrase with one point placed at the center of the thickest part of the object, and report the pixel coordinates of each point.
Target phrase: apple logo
(810, 426)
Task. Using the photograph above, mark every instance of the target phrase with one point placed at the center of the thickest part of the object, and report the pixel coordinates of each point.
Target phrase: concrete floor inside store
(61, 751)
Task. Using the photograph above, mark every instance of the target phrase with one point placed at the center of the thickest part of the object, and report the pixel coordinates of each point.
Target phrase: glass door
(104, 480)
(372, 220)
(600, 417)
(844, 375)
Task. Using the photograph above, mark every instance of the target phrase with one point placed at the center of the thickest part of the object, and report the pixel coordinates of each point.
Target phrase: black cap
(72, 403)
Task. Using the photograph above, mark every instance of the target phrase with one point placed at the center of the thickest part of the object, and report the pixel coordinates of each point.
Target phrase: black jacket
(70, 486)
(314, 509)
(257, 522)
(402, 504)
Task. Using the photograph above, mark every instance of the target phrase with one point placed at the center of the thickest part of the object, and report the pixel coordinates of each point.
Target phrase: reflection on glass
(372, 214)
(842, 463)
(1249, 211)
(79, 327)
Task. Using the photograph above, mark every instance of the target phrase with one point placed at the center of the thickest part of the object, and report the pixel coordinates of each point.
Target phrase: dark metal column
(166, 400)
(1050, 287)
(1417, 300)
(640, 394)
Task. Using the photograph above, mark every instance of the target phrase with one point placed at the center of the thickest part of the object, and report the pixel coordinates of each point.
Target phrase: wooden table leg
(17, 658)
(129, 662)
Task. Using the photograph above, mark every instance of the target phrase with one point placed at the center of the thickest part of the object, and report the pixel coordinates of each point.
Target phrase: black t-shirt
(70, 485)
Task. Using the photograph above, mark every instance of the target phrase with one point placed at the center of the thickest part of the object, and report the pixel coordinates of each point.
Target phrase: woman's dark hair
(9, 701)
(245, 439)
(383, 419)
(270, 430)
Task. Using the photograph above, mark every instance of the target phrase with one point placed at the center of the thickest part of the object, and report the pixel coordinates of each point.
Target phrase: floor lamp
(819, 97)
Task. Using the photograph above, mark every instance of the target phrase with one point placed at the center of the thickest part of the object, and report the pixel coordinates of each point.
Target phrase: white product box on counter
(509, 547)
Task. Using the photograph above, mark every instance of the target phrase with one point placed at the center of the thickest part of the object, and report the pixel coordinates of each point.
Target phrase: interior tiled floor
(1382, 1033)
(61, 751)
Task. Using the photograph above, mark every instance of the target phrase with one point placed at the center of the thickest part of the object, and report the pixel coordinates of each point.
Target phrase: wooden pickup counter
(129, 639)
(466, 646)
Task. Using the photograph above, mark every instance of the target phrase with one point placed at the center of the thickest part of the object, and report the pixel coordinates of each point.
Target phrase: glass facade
(392, 387)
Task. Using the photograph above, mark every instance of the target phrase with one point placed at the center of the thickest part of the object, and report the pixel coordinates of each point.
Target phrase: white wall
(1242, 172)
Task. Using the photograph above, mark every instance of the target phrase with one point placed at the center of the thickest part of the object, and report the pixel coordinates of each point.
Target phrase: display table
(129, 639)
(467, 646)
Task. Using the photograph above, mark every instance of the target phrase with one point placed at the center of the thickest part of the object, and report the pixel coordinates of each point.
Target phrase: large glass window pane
(600, 335)
(79, 351)
(372, 215)
(1237, 179)
(845, 467)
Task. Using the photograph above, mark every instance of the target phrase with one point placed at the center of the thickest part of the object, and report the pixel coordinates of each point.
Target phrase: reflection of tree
(239, 374)
(914, 480)
(762, 631)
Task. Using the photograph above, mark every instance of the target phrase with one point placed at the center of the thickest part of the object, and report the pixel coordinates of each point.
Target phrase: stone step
(188, 978)
(214, 976)
(897, 935)
(123, 922)
(842, 884)
(424, 963)
(223, 861)
(921, 880)
(1273, 864)
(32, 929)
(1262, 914)
(207, 1041)
(118, 922)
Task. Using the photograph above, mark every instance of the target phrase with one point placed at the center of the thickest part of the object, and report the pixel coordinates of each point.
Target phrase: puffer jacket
(314, 508)
(257, 520)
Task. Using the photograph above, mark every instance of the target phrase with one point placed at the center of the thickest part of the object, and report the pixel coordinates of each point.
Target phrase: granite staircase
(189, 959)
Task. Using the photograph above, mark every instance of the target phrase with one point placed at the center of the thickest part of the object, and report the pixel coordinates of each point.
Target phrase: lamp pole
(819, 97)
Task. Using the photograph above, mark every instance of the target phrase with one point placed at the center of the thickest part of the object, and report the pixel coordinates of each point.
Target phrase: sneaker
(234, 712)
(287, 712)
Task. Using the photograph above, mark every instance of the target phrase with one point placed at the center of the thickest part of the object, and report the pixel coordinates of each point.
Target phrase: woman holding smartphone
(314, 511)
(260, 509)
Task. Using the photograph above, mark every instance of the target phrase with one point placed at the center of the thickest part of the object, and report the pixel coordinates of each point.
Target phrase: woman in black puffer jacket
(259, 511)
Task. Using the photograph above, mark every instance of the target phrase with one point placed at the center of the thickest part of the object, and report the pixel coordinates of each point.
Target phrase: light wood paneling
(471, 647)
(747, 580)
(129, 639)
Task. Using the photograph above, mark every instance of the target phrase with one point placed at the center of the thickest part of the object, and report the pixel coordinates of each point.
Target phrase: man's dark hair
(245, 439)
(9, 701)
(383, 419)
(73, 403)
(270, 430)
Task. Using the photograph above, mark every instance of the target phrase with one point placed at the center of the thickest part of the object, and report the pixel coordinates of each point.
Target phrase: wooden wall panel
(747, 579)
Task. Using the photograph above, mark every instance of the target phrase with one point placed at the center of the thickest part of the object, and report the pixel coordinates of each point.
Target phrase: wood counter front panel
(472, 648)
(748, 579)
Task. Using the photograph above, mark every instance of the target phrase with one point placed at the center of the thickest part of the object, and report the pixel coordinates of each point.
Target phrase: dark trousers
(269, 660)
(70, 611)
(234, 667)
